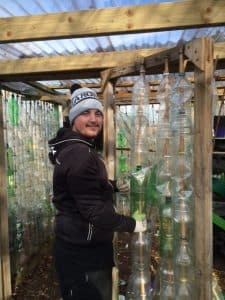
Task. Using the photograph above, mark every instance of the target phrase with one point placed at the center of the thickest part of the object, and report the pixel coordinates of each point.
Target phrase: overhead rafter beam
(71, 66)
(42, 87)
(116, 20)
(84, 66)
(64, 100)
(128, 84)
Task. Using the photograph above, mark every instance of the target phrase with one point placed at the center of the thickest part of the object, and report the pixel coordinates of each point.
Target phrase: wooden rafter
(42, 88)
(83, 66)
(117, 20)
(70, 66)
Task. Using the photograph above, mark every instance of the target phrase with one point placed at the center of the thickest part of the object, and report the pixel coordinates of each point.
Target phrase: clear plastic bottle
(166, 219)
(183, 218)
(184, 291)
(163, 96)
(166, 279)
(184, 271)
(138, 182)
(164, 179)
(139, 284)
(180, 97)
(183, 262)
(140, 122)
(167, 291)
(141, 249)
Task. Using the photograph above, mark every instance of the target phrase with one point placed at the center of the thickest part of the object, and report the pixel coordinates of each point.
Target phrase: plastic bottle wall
(28, 126)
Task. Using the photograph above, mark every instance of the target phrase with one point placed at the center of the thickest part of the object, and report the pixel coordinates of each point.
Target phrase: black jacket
(82, 193)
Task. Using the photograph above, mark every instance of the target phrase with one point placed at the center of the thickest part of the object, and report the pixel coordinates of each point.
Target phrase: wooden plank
(150, 62)
(109, 156)
(58, 99)
(219, 52)
(4, 233)
(105, 75)
(109, 130)
(203, 171)
(74, 66)
(110, 21)
(87, 65)
(194, 51)
(42, 88)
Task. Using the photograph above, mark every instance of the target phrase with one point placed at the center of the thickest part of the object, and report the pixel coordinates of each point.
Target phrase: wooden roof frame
(129, 19)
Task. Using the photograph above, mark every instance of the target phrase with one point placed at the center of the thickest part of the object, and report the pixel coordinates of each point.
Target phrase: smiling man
(83, 197)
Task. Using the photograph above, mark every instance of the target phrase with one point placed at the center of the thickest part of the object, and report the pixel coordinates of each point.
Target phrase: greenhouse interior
(158, 68)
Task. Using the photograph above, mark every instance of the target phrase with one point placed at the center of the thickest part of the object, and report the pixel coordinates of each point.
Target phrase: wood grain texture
(116, 20)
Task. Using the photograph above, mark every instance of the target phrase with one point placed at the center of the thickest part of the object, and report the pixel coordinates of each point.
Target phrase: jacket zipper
(90, 231)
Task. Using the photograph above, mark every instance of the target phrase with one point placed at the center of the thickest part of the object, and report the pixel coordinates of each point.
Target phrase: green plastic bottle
(123, 167)
(138, 187)
(13, 109)
(121, 139)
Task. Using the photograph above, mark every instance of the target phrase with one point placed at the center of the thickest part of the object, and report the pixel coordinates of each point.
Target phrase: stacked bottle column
(27, 129)
(122, 243)
(123, 161)
(165, 275)
(139, 284)
(183, 203)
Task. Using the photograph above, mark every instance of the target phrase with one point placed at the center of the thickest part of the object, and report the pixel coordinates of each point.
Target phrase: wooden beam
(5, 283)
(88, 65)
(105, 75)
(61, 99)
(130, 84)
(110, 21)
(58, 99)
(152, 62)
(109, 155)
(203, 169)
(73, 66)
(42, 88)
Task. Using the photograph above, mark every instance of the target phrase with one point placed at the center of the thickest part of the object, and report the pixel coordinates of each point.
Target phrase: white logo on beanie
(82, 96)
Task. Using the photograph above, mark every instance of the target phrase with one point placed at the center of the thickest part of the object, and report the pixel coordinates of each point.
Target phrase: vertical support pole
(5, 277)
(109, 157)
(203, 169)
(109, 130)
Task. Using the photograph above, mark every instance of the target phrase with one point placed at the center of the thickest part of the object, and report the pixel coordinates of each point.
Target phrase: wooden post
(109, 130)
(5, 277)
(109, 155)
(202, 51)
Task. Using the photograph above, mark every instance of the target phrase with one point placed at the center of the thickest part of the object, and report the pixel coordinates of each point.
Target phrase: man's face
(89, 123)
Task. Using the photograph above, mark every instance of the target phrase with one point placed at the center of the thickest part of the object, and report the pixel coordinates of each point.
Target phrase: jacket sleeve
(92, 196)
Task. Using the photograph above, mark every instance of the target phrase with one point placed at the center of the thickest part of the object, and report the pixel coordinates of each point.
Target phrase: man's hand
(123, 186)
